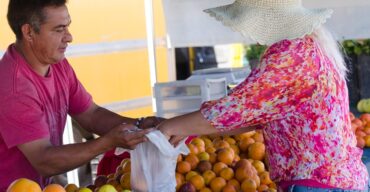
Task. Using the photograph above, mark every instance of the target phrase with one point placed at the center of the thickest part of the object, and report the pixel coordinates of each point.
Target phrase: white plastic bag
(153, 164)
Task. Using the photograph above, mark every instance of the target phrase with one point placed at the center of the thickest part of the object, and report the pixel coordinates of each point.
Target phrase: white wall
(188, 25)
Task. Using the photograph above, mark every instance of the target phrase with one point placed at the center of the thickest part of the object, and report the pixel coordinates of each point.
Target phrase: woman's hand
(149, 122)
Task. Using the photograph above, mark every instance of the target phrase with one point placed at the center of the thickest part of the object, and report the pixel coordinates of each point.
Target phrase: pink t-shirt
(33, 107)
(300, 101)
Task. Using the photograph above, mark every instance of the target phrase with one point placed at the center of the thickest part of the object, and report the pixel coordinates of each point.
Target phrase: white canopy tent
(187, 24)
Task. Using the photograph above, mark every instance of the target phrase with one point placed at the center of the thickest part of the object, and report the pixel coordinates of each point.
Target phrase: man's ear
(27, 32)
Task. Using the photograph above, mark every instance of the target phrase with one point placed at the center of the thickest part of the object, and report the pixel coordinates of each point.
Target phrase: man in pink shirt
(38, 88)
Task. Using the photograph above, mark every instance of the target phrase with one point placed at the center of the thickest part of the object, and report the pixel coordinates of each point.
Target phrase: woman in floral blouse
(297, 96)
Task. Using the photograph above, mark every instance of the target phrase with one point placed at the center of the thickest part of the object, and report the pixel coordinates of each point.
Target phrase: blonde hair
(330, 47)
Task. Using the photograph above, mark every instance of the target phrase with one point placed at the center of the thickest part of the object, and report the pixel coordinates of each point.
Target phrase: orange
(242, 163)
(273, 185)
(110, 176)
(221, 144)
(126, 167)
(125, 161)
(217, 167)
(203, 156)
(248, 172)
(245, 135)
(193, 160)
(226, 156)
(54, 188)
(125, 181)
(271, 190)
(230, 140)
(365, 117)
(256, 151)
(190, 174)
(210, 149)
(216, 140)
(100, 180)
(205, 189)
(217, 184)
(23, 185)
(208, 176)
(235, 160)
(179, 158)
(183, 167)
(119, 170)
(258, 137)
(207, 143)
(235, 148)
(201, 149)
(229, 188)
(71, 187)
(197, 141)
(227, 173)
(265, 178)
(367, 140)
(262, 188)
(360, 133)
(193, 149)
(113, 181)
(197, 181)
(359, 123)
(259, 166)
(360, 142)
(244, 143)
(234, 183)
(179, 180)
(249, 185)
(212, 157)
(366, 130)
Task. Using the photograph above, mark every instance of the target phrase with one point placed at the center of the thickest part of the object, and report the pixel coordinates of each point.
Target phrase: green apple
(85, 189)
(360, 104)
(107, 188)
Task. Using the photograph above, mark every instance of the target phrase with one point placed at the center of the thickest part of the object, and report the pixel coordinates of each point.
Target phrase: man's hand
(150, 122)
(175, 140)
(126, 136)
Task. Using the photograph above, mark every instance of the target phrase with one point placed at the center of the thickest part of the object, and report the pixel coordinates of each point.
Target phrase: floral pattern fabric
(300, 101)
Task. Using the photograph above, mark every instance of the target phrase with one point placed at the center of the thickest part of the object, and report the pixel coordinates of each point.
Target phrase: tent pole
(149, 20)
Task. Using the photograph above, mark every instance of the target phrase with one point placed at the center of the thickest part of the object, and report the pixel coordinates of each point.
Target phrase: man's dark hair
(22, 12)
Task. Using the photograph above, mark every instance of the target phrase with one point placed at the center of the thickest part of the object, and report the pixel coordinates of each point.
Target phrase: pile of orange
(361, 127)
(224, 163)
(120, 180)
(27, 185)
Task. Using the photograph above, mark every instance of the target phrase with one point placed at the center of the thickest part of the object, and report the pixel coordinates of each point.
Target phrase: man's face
(49, 45)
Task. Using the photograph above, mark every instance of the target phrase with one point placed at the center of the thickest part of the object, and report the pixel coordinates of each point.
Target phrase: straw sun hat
(270, 21)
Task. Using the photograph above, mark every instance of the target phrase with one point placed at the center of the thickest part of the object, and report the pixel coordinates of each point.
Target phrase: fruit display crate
(185, 96)
(233, 75)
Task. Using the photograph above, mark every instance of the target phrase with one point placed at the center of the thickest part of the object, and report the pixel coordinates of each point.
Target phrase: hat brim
(268, 26)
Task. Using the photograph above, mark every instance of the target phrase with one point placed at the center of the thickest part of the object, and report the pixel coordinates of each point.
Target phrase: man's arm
(99, 120)
(50, 160)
